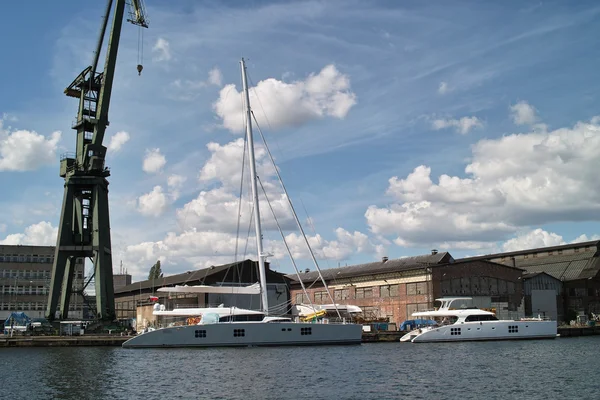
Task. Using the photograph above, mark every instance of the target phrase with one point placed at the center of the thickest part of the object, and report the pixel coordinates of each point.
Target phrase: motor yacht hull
(232, 334)
(484, 330)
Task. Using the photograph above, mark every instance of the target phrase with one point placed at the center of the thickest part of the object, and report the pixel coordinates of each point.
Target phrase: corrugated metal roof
(186, 277)
(399, 264)
(574, 270)
(591, 269)
(583, 255)
(580, 245)
(562, 268)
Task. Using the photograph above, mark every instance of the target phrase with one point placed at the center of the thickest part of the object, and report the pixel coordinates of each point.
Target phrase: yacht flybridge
(232, 326)
(456, 322)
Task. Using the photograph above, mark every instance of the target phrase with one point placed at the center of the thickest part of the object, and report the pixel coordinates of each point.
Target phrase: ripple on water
(562, 368)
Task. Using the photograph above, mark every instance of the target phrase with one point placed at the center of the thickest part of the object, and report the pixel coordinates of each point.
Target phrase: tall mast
(259, 245)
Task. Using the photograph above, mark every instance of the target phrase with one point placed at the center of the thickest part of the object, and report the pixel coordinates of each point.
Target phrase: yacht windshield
(473, 318)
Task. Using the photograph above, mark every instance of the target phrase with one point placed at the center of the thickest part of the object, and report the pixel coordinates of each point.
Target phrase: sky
(397, 127)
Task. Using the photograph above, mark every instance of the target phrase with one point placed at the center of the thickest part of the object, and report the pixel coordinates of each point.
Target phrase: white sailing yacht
(232, 326)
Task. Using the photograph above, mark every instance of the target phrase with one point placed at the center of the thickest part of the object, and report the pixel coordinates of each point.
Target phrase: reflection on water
(562, 368)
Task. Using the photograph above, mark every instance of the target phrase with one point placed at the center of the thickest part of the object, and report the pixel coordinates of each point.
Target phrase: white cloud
(40, 234)
(289, 104)
(154, 203)
(533, 239)
(23, 150)
(225, 163)
(348, 244)
(175, 182)
(215, 77)
(187, 89)
(162, 50)
(523, 113)
(512, 182)
(154, 161)
(443, 88)
(462, 125)
(7, 117)
(585, 238)
(118, 140)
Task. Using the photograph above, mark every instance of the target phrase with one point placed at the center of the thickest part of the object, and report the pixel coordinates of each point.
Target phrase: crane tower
(84, 227)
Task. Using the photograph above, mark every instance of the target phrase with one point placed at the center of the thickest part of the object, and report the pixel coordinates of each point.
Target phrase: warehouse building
(25, 273)
(391, 290)
(571, 271)
(133, 301)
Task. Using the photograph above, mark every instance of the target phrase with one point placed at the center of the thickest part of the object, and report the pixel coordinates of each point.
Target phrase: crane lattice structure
(84, 228)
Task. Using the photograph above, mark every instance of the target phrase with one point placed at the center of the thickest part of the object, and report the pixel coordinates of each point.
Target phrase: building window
(301, 298)
(320, 297)
(389, 291)
(341, 294)
(371, 313)
(413, 308)
(413, 289)
(364, 293)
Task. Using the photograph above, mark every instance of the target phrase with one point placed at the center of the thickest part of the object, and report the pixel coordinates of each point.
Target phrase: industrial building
(559, 282)
(391, 290)
(25, 281)
(133, 301)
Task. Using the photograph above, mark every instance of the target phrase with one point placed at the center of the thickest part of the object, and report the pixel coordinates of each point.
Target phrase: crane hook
(140, 67)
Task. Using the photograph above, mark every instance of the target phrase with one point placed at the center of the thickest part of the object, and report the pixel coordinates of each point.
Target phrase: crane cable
(140, 50)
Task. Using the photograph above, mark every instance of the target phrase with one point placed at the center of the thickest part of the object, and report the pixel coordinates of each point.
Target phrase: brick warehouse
(391, 290)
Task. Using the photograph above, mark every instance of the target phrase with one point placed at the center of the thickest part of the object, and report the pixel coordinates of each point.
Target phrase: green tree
(155, 271)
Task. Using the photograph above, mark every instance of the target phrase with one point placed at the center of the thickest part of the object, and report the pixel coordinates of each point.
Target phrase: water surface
(548, 369)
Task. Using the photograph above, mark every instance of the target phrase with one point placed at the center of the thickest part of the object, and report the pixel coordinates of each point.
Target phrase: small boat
(231, 326)
(458, 322)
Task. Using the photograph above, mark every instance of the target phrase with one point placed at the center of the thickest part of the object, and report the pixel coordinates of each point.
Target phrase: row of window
(412, 289)
(201, 333)
(24, 274)
(29, 259)
(9, 289)
(32, 306)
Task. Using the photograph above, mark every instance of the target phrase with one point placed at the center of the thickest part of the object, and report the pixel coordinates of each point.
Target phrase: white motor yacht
(457, 322)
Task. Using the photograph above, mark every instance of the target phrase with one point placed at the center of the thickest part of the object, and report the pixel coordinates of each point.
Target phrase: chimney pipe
(434, 251)
(384, 259)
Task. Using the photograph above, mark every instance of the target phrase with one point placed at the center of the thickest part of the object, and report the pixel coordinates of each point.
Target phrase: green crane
(84, 228)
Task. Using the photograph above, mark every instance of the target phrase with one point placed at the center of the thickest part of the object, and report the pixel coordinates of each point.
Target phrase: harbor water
(545, 369)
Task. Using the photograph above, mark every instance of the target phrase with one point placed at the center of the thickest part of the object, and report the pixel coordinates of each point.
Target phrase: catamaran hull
(238, 334)
(479, 331)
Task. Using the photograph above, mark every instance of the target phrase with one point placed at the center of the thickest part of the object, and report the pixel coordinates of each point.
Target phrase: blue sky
(399, 126)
